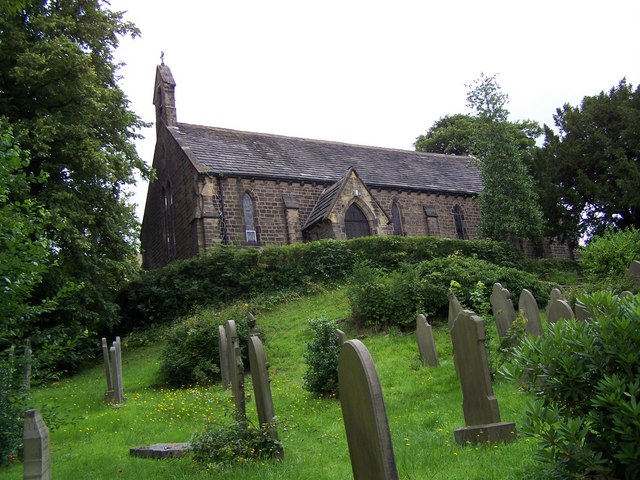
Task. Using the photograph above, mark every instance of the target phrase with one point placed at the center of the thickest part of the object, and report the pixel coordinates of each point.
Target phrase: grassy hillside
(91, 439)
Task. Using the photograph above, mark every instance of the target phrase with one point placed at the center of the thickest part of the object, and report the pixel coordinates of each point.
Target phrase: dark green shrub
(219, 446)
(321, 357)
(606, 258)
(12, 408)
(586, 376)
(191, 354)
(557, 271)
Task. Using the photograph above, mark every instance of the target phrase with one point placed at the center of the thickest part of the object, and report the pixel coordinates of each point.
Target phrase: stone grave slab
(559, 309)
(528, 304)
(454, 309)
(581, 312)
(107, 369)
(236, 370)
(364, 415)
(223, 352)
(261, 384)
(554, 294)
(36, 453)
(626, 294)
(426, 343)
(633, 272)
(342, 337)
(161, 450)
(479, 404)
(502, 308)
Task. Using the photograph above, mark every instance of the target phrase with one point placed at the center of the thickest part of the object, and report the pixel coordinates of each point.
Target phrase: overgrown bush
(586, 377)
(223, 445)
(321, 357)
(380, 301)
(606, 258)
(191, 355)
(557, 271)
(12, 408)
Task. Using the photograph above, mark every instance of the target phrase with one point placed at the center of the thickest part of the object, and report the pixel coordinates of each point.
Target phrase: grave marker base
(488, 433)
(161, 450)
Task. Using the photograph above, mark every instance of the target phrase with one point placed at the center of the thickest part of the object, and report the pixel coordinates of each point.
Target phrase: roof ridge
(329, 142)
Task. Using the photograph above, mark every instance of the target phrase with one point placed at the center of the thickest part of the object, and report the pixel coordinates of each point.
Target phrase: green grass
(91, 439)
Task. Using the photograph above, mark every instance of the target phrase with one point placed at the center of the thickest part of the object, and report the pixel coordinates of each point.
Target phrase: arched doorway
(356, 223)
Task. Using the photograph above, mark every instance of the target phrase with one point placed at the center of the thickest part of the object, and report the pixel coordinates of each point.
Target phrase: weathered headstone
(342, 337)
(161, 450)
(528, 304)
(581, 312)
(364, 415)
(426, 344)
(454, 309)
(554, 294)
(251, 323)
(626, 294)
(36, 455)
(262, 387)
(633, 272)
(559, 309)
(223, 352)
(480, 406)
(236, 370)
(26, 367)
(502, 307)
(107, 369)
(115, 354)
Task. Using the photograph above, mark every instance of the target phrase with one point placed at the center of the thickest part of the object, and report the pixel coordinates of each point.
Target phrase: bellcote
(164, 97)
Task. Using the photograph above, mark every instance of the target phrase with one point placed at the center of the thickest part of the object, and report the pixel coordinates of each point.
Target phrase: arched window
(248, 210)
(458, 218)
(395, 219)
(355, 223)
(169, 221)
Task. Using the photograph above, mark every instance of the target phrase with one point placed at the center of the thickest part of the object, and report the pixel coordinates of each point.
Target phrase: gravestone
(454, 309)
(364, 415)
(36, 455)
(161, 450)
(633, 272)
(251, 323)
(262, 387)
(502, 307)
(559, 309)
(236, 370)
(528, 304)
(223, 352)
(107, 369)
(554, 294)
(479, 404)
(581, 312)
(115, 354)
(426, 344)
(342, 337)
(626, 294)
(26, 368)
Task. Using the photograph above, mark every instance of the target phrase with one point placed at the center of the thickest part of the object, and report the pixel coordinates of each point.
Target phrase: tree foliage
(451, 134)
(594, 162)
(510, 208)
(59, 92)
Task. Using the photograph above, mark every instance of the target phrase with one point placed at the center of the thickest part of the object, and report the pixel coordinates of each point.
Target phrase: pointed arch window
(395, 219)
(169, 221)
(356, 223)
(248, 210)
(458, 218)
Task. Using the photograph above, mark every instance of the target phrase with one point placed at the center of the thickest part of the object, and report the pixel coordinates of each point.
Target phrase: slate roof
(259, 155)
(327, 199)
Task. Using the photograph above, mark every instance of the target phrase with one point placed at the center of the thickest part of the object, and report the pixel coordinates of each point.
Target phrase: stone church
(218, 186)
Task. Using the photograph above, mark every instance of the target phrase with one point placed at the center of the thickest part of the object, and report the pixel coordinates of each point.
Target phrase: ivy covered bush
(321, 357)
(586, 377)
(380, 300)
(191, 355)
(13, 398)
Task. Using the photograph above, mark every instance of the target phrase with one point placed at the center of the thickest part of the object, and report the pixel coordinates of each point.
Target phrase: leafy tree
(58, 90)
(510, 209)
(594, 163)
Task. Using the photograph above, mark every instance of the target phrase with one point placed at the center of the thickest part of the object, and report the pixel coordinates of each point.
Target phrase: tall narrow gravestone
(223, 352)
(115, 354)
(528, 304)
(502, 307)
(364, 414)
(633, 272)
(261, 386)
(559, 309)
(426, 344)
(479, 404)
(36, 456)
(107, 369)
(236, 370)
(454, 309)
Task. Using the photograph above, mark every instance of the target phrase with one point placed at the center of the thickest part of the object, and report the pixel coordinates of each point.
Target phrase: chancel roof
(259, 155)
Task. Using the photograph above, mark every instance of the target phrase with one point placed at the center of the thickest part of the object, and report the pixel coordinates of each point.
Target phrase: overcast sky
(370, 72)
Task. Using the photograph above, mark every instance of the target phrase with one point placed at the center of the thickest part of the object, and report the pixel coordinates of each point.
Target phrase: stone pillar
(37, 459)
